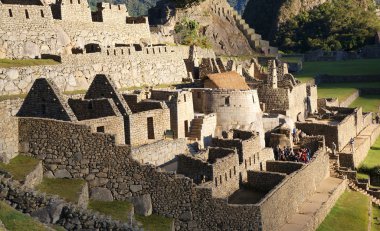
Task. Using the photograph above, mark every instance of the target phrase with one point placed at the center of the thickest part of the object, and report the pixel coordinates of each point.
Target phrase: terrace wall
(9, 131)
(285, 198)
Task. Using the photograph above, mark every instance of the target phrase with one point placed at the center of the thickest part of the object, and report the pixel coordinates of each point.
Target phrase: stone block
(101, 194)
(143, 205)
(62, 173)
(135, 188)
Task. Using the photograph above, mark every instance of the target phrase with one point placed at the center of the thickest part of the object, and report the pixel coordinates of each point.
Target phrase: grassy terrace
(373, 157)
(120, 210)
(14, 220)
(375, 225)
(349, 213)
(6, 63)
(349, 67)
(372, 160)
(68, 189)
(20, 166)
(369, 103)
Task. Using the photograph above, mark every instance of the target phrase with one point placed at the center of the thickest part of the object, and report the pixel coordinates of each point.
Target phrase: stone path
(314, 210)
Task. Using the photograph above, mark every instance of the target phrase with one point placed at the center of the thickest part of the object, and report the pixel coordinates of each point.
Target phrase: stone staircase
(315, 208)
(334, 166)
(223, 9)
(196, 128)
(354, 187)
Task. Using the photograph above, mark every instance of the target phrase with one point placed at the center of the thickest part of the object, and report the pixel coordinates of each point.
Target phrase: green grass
(369, 103)
(8, 97)
(14, 220)
(76, 92)
(20, 166)
(68, 189)
(349, 213)
(363, 176)
(119, 210)
(373, 157)
(349, 67)
(294, 59)
(375, 218)
(155, 222)
(325, 91)
(7, 63)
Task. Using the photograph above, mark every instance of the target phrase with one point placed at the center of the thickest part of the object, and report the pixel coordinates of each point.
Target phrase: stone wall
(286, 167)
(264, 181)
(51, 210)
(143, 134)
(330, 132)
(349, 100)
(181, 109)
(234, 109)
(160, 152)
(293, 191)
(77, 71)
(9, 131)
(226, 180)
(194, 168)
(22, 37)
(111, 125)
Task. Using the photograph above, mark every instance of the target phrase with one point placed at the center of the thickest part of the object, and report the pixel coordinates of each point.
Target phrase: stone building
(234, 109)
(281, 93)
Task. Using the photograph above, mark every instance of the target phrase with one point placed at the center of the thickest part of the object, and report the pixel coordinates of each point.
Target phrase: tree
(334, 25)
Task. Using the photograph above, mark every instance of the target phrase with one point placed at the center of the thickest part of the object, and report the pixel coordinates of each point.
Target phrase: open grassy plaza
(349, 213)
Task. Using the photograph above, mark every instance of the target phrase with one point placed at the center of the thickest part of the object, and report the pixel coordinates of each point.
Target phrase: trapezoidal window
(100, 129)
(150, 127)
(10, 13)
(42, 14)
(186, 128)
(227, 101)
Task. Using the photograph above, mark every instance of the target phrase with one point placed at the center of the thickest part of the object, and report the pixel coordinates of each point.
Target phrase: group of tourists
(288, 154)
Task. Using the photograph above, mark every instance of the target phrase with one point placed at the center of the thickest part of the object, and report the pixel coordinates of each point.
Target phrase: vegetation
(349, 213)
(334, 25)
(6, 63)
(155, 222)
(20, 166)
(349, 67)
(120, 210)
(369, 103)
(375, 217)
(8, 97)
(371, 164)
(68, 189)
(14, 220)
(188, 33)
(373, 158)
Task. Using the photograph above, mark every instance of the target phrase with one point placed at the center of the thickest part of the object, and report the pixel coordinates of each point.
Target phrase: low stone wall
(369, 91)
(286, 167)
(349, 100)
(326, 207)
(160, 152)
(34, 178)
(264, 181)
(51, 210)
(281, 202)
(345, 78)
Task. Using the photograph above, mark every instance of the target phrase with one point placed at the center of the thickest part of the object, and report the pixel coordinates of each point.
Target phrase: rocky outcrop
(265, 16)
(221, 24)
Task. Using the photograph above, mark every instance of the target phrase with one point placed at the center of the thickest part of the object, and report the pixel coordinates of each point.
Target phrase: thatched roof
(226, 80)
